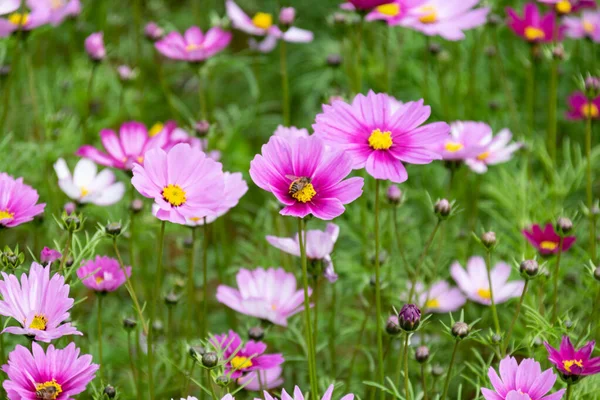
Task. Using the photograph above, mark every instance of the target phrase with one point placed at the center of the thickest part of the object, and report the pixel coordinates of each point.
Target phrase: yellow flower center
(84, 192)
(429, 14)
(6, 215)
(590, 110)
(453, 147)
(56, 4)
(193, 47)
(567, 364)
(564, 7)
(305, 194)
(432, 303)
(49, 390)
(174, 194)
(380, 140)
(195, 219)
(19, 19)
(274, 307)
(156, 129)
(263, 20)
(390, 9)
(547, 245)
(485, 294)
(39, 322)
(241, 362)
(99, 279)
(532, 33)
(588, 27)
(483, 156)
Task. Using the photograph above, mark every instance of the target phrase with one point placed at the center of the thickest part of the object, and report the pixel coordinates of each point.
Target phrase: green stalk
(555, 279)
(316, 311)
(422, 258)
(210, 384)
(332, 333)
(515, 318)
(134, 373)
(424, 381)
(285, 84)
(488, 264)
(426, 62)
(157, 287)
(101, 369)
(9, 82)
(358, 343)
(190, 284)
(88, 105)
(505, 83)
(552, 121)
(204, 279)
(33, 93)
(589, 186)
(130, 288)
(378, 294)
(358, 65)
(201, 93)
(406, 380)
(449, 373)
(569, 388)
(531, 93)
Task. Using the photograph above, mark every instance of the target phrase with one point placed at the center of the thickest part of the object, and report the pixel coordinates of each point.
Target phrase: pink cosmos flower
(378, 139)
(169, 134)
(446, 18)
(266, 294)
(193, 46)
(533, 26)
(244, 357)
(183, 182)
(524, 381)
(564, 7)
(393, 11)
(367, 4)
(465, 140)
(269, 379)
(306, 177)
(25, 21)
(474, 281)
(547, 240)
(17, 202)
(59, 9)
(94, 46)
(153, 31)
(571, 362)
(48, 256)
(438, 298)
(497, 149)
(8, 6)
(59, 371)
(318, 244)
(580, 108)
(104, 274)
(291, 132)
(298, 395)
(38, 303)
(585, 26)
(262, 24)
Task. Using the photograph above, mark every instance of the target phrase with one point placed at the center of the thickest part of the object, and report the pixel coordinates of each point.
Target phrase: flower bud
(460, 330)
(529, 268)
(392, 327)
(48, 256)
(171, 299)
(158, 326)
(136, 206)
(196, 352)
(422, 354)
(558, 52)
(202, 127)
(409, 317)
(568, 324)
(496, 338)
(334, 60)
(70, 208)
(69, 262)
(597, 274)
(494, 19)
(537, 341)
(435, 48)
(129, 323)
(113, 229)
(394, 194)
(153, 32)
(564, 225)
(490, 51)
(210, 359)
(442, 208)
(110, 391)
(488, 239)
(72, 223)
(94, 46)
(287, 15)
(256, 333)
(437, 371)
(223, 381)
(11, 259)
(126, 73)
(592, 87)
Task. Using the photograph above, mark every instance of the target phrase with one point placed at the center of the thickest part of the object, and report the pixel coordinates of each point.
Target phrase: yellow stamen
(564, 7)
(19, 19)
(193, 47)
(547, 245)
(56, 4)
(39, 322)
(390, 9)
(99, 279)
(590, 110)
(429, 14)
(6, 215)
(195, 219)
(51, 388)
(140, 159)
(485, 294)
(263, 20)
(532, 33)
(305, 194)
(567, 364)
(84, 192)
(174, 194)
(273, 307)
(453, 147)
(156, 129)
(380, 140)
(483, 156)
(588, 27)
(432, 303)
(241, 362)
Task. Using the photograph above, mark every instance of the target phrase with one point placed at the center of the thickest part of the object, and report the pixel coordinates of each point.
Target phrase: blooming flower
(8, 6)
(446, 18)
(104, 274)
(547, 241)
(318, 244)
(193, 46)
(439, 297)
(496, 150)
(59, 10)
(266, 294)
(48, 256)
(306, 177)
(533, 27)
(269, 379)
(25, 21)
(17, 202)
(86, 185)
(297, 395)
(153, 31)
(367, 4)
(474, 281)
(58, 373)
(465, 140)
(521, 381)
(244, 357)
(572, 363)
(581, 108)
(393, 11)
(94, 46)
(378, 139)
(291, 132)
(569, 6)
(38, 303)
(585, 26)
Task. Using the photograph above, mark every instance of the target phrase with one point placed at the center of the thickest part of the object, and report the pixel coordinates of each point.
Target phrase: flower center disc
(568, 364)
(156, 129)
(390, 9)
(39, 322)
(262, 20)
(380, 140)
(429, 14)
(174, 194)
(241, 362)
(564, 7)
(432, 303)
(19, 19)
(453, 147)
(6, 215)
(588, 27)
(483, 156)
(532, 33)
(304, 194)
(548, 245)
(485, 294)
(590, 110)
(193, 47)
(48, 390)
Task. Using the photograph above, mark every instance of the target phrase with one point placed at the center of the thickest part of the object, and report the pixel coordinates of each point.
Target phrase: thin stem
(32, 93)
(186, 386)
(65, 254)
(379, 331)
(555, 279)
(190, 284)
(569, 388)
(157, 286)
(515, 318)
(449, 373)
(132, 365)
(210, 384)
(130, 288)
(101, 369)
(426, 62)
(332, 332)
(488, 265)
(201, 93)
(9, 82)
(589, 187)
(316, 311)
(531, 92)
(552, 121)
(505, 82)
(358, 343)
(88, 105)
(204, 279)
(285, 84)
(399, 366)
(422, 258)
(405, 356)
(424, 381)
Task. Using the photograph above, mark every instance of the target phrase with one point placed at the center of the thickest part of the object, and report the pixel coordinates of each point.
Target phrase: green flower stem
(134, 373)
(589, 187)
(379, 330)
(406, 380)
(153, 303)
(285, 83)
(552, 104)
(515, 318)
(555, 280)
(358, 343)
(488, 264)
(130, 288)
(66, 251)
(88, 103)
(316, 294)
(449, 373)
(422, 258)
(424, 381)
(531, 92)
(332, 331)
(99, 297)
(202, 93)
(569, 389)
(204, 279)
(190, 284)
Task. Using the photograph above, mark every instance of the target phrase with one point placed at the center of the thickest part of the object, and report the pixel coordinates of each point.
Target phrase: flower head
(39, 303)
(465, 140)
(86, 185)
(59, 10)
(409, 317)
(270, 294)
(496, 150)
(571, 362)
(439, 297)
(298, 395)
(379, 139)
(291, 132)
(524, 381)
(533, 26)
(367, 4)
(153, 31)
(269, 379)
(547, 241)
(17, 20)
(306, 177)
(94, 46)
(48, 256)
(17, 202)
(475, 284)
(60, 371)
(183, 182)
(104, 274)
(194, 45)
(393, 12)
(587, 25)
(581, 108)
(564, 7)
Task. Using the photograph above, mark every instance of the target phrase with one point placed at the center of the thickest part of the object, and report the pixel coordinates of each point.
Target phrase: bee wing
(292, 177)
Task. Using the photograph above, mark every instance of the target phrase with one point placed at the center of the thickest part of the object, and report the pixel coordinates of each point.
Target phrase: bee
(297, 184)
(47, 393)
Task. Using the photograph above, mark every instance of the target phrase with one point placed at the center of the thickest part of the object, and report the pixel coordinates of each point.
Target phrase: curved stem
(157, 286)
(589, 186)
(488, 264)
(130, 288)
(449, 373)
(422, 258)
(204, 278)
(515, 318)
(285, 84)
(556, 272)
(190, 284)
(379, 330)
(406, 380)
(99, 297)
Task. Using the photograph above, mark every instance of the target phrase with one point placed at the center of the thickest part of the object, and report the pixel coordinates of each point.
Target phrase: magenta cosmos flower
(439, 297)
(298, 395)
(585, 26)
(59, 10)
(48, 256)
(524, 381)
(569, 6)
(56, 373)
(94, 46)
(367, 4)
(571, 362)
(547, 240)
(38, 303)
(290, 133)
(533, 26)
(319, 246)
(193, 45)
(25, 21)
(244, 357)
(17, 202)
(379, 139)
(306, 177)
(183, 182)
(394, 11)
(475, 285)
(581, 108)
(104, 274)
(266, 294)
(446, 18)
(269, 379)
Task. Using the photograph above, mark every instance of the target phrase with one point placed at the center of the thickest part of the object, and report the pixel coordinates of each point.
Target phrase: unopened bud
(136, 206)
(129, 323)
(488, 239)
(223, 381)
(494, 19)
(72, 223)
(391, 327)
(442, 208)
(210, 359)
(568, 324)
(490, 51)
(529, 267)
(70, 208)
(558, 52)
(287, 15)
(435, 48)
(153, 32)
(409, 317)
(460, 330)
(256, 333)
(158, 326)
(110, 391)
(334, 60)
(496, 338)
(394, 194)
(171, 299)
(202, 127)
(592, 87)
(422, 354)
(437, 371)
(564, 225)
(113, 229)
(196, 352)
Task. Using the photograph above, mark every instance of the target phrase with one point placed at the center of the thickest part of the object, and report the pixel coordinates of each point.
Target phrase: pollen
(305, 194)
(453, 147)
(56, 4)
(567, 364)
(389, 9)
(485, 294)
(429, 14)
(262, 20)
(39, 322)
(590, 110)
(99, 279)
(533, 34)
(240, 362)
(588, 27)
(19, 19)
(547, 245)
(432, 303)
(6, 215)
(483, 156)
(380, 140)
(52, 388)
(156, 129)
(84, 192)
(174, 194)
(193, 47)
(564, 7)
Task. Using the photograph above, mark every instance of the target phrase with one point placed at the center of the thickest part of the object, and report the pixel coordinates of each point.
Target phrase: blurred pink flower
(564, 7)
(533, 26)
(193, 46)
(104, 274)
(269, 379)
(8, 6)
(48, 256)
(153, 31)
(497, 150)
(367, 4)
(393, 11)
(25, 21)
(291, 132)
(580, 108)
(59, 10)
(439, 297)
(287, 15)
(17, 202)
(94, 46)
(587, 25)
(298, 395)
(547, 241)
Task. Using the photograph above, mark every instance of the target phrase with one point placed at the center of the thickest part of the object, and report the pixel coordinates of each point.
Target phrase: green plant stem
(400, 361)
(186, 386)
(569, 389)
(332, 331)
(88, 103)
(134, 373)
(515, 318)
(190, 284)
(379, 330)
(210, 384)
(9, 83)
(449, 373)
(66, 251)
(355, 351)
(130, 288)
(505, 82)
(531, 93)
(156, 296)
(555, 280)
(315, 327)
(589, 186)
(426, 62)
(552, 121)
(406, 380)
(33, 93)
(99, 297)
(488, 264)
(201, 93)
(204, 279)
(285, 83)
(424, 381)
(422, 258)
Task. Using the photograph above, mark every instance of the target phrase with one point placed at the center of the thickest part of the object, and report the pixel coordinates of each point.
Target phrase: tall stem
(190, 284)
(406, 380)
(132, 365)
(99, 316)
(204, 278)
(88, 105)
(332, 333)
(424, 381)
(421, 259)
(515, 318)
(449, 373)
(157, 286)
(316, 311)
(531, 93)
(552, 121)
(378, 295)
(33, 93)
(130, 288)
(285, 84)
(589, 192)
(488, 264)
(201, 93)
(555, 279)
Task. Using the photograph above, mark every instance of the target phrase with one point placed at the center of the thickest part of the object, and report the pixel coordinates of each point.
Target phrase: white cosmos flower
(86, 185)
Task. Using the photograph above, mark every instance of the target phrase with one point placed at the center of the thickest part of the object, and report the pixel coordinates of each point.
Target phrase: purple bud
(409, 317)
(394, 194)
(287, 15)
(94, 46)
(70, 208)
(392, 327)
(48, 256)
(564, 225)
(153, 31)
(489, 239)
(422, 354)
(202, 127)
(442, 208)
(460, 330)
